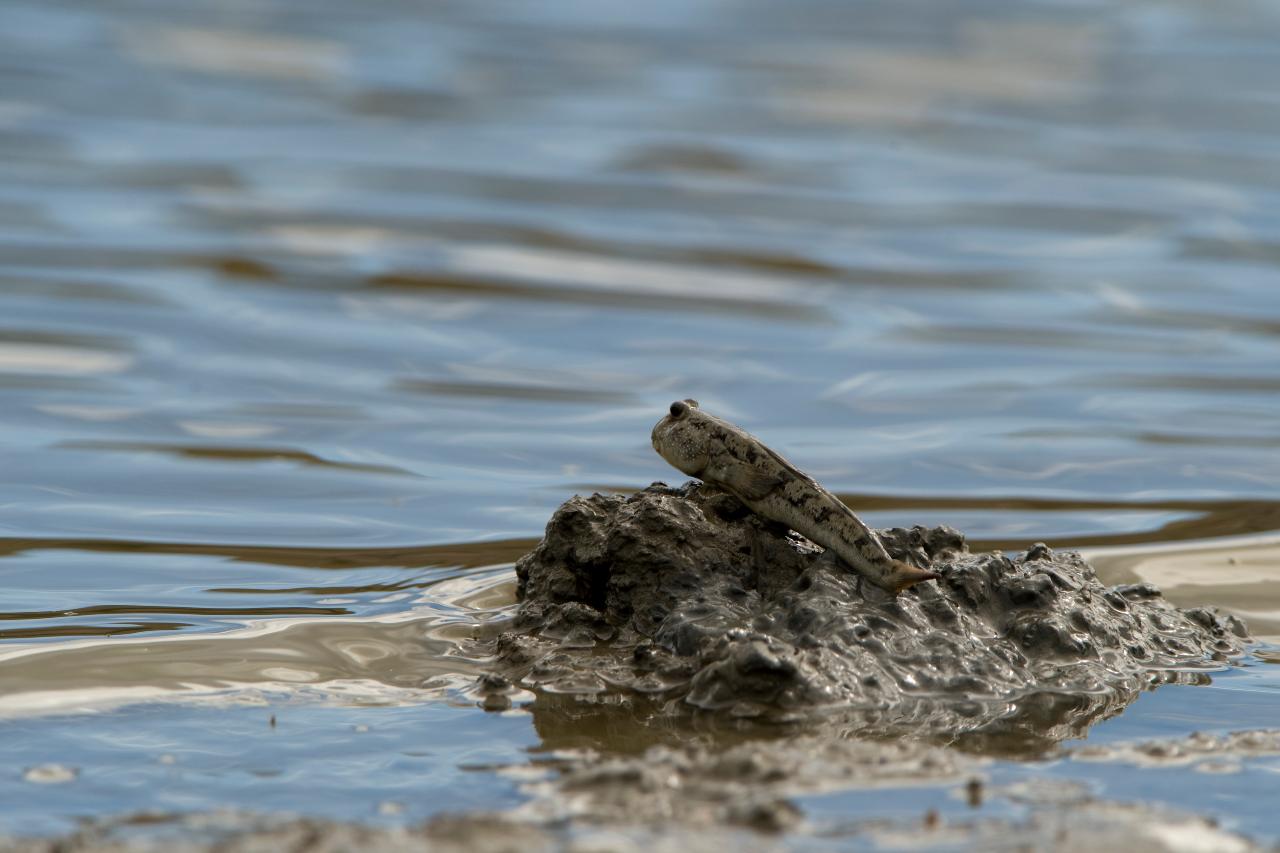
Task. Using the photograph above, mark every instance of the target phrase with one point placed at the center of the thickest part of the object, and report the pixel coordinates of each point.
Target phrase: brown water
(310, 314)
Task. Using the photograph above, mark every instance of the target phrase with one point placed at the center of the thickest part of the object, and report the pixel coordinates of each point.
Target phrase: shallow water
(310, 318)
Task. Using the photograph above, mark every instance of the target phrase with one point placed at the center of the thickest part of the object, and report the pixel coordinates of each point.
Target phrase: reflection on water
(231, 454)
(416, 653)
(308, 321)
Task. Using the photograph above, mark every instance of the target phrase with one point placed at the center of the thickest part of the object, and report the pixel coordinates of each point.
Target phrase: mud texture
(685, 597)
(749, 798)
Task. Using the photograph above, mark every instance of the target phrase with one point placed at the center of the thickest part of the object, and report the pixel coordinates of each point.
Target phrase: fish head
(683, 437)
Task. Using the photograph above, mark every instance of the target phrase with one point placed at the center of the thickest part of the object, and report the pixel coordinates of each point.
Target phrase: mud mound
(683, 594)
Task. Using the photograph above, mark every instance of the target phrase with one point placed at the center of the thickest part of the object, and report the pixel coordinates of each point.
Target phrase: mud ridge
(685, 598)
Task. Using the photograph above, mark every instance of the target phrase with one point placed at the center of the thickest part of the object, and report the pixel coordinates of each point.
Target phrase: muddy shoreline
(753, 675)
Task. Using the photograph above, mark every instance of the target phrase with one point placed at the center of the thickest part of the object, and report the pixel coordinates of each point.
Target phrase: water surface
(309, 318)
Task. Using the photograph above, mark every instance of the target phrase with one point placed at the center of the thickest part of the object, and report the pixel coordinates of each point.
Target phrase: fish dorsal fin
(750, 484)
(786, 466)
(794, 472)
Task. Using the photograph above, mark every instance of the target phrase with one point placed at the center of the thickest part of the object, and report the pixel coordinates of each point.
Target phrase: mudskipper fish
(719, 453)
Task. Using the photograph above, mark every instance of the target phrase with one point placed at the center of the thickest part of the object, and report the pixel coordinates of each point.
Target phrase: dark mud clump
(686, 597)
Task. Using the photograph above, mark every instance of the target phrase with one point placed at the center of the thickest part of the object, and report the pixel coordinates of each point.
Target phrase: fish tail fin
(905, 575)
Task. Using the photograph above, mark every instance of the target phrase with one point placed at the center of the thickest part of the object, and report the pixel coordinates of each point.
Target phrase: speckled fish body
(717, 452)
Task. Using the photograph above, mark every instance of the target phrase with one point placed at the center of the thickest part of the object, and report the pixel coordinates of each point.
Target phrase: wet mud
(702, 679)
(691, 799)
(681, 601)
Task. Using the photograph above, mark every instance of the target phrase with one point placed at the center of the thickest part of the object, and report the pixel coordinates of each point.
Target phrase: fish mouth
(654, 436)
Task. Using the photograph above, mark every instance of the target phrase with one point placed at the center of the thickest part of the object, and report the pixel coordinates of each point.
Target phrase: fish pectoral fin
(747, 483)
(905, 575)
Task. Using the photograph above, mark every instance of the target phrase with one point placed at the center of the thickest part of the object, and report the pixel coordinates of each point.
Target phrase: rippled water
(310, 314)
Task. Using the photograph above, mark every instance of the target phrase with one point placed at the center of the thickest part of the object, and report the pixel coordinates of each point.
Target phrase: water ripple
(309, 323)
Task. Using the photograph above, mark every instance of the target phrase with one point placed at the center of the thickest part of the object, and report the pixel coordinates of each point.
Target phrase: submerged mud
(1079, 827)
(751, 797)
(684, 597)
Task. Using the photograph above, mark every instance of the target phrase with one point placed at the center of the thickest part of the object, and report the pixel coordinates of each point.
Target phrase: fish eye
(679, 409)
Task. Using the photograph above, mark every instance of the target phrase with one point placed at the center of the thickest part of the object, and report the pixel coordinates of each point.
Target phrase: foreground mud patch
(691, 800)
(686, 598)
